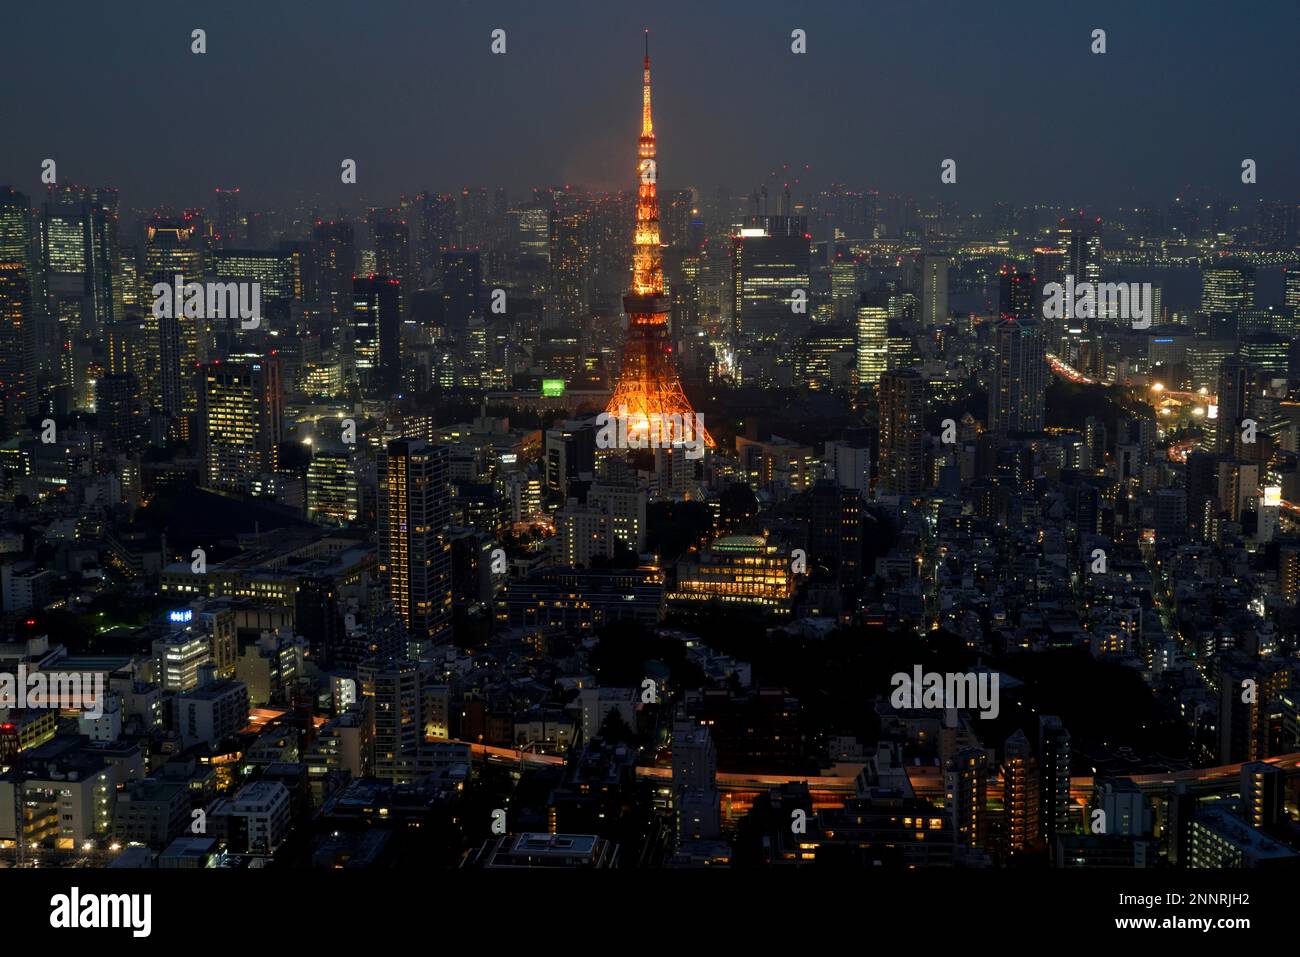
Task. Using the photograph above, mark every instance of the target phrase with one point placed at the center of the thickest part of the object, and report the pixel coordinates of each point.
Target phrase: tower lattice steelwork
(649, 393)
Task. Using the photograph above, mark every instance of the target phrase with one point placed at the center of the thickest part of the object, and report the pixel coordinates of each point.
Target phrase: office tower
(1080, 237)
(1017, 296)
(1235, 385)
(835, 529)
(844, 285)
(930, 283)
(392, 688)
(678, 205)
(872, 358)
(414, 505)
(15, 228)
(966, 782)
(532, 231)
(437, 233)
(1021, 792)
(1228, 290)
(273, 271)
(172, 248)
(1291, 289)
(1171, 515)
(336, 264)
(474, 216)
(1016, 399)
(241, 412)
(462, 292)
(902, 433)
(648, 388)
(121, 412)
(376, 335)
(393, 259)
(570, 257)
(769, 263)
(17, 346)
(824, 355)
(1054, 765)
(333, 494)
(1049, 267)
(695, 782)
(1268, 353)
(228, 232)
(81, 257)
(849, 463)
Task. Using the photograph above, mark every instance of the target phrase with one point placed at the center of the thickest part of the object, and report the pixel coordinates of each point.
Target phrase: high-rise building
(82, 280)
(849, 463)
(1228, 290)
(1054, 765)
(414, 555)
(175, 346)
(241, 412)
(930, 284)
(1018, 393)
(570, 258)
(1017, 296)
(437, 233)
(228, 231)
(1021, 793)
(648, 389)
(1263, 795)
(393, 258)
(273, 271)
(695, 782)
(376, 334)
(1235, 381)
(1080, 238)
(770, 283)
(336, 264)
(120, 411)
(966, 781)
(902, 433)
(15, 228)
(872, 340)
(462, 292)
(392, 688)
(333, 494)
(17, 346)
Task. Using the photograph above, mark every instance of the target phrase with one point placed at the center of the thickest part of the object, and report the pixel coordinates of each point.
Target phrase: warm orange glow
(649, 392)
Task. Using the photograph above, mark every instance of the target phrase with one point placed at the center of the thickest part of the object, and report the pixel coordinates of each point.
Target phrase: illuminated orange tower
(648, 389)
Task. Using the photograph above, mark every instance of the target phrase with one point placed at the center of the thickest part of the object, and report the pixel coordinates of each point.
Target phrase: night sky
(887, 90)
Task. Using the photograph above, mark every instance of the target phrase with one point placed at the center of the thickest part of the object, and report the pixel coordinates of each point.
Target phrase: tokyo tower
(648, 392)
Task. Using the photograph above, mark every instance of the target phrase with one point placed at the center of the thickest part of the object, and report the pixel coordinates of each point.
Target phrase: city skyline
(811, 525)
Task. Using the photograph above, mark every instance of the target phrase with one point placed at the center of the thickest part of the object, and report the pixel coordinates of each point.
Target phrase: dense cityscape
(778, 526)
